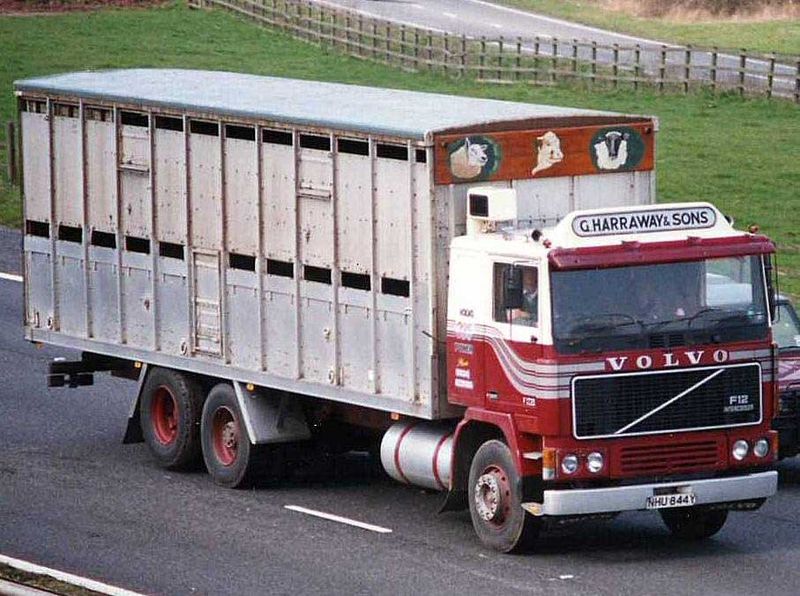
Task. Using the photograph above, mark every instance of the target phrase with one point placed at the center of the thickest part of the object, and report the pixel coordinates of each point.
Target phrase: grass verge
(781, 36)
(740, 154)
(42, 582)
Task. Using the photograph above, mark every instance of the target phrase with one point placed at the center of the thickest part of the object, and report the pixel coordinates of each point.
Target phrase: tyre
(495, 500)
(170, 418)
(693, 523)
(231, 460)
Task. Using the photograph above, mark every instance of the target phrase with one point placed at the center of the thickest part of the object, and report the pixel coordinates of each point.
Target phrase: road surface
(73, 498)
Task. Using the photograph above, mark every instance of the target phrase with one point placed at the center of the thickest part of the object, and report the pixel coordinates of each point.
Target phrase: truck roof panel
(370, 110)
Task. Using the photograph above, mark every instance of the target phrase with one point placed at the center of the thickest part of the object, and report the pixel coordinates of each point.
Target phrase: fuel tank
(418, 453)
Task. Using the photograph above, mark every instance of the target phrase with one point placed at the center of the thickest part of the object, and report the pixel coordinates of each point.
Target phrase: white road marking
(565, 23)
(75, 580)
(11, 277)
(340, 519)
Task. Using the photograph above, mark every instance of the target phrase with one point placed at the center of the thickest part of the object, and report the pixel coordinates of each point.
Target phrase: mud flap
(454, 500)
(133, 432)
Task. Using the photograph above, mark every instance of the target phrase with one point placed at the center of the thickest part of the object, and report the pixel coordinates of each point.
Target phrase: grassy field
(741, 155)
(765, 36)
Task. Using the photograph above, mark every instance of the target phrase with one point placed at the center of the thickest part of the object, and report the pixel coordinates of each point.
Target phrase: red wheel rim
(164, 416)
(225, 435)
(493, 496)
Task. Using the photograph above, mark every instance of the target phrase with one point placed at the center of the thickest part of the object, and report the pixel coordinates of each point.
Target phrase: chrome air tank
(418, 453)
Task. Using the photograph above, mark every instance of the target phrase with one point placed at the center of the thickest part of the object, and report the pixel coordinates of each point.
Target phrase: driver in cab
(527, 314)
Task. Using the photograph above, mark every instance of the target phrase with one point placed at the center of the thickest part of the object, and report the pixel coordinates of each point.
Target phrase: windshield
(786, 330)
(659, 306)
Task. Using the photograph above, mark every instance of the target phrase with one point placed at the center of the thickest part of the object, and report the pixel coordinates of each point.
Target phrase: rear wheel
(693, 523)
(170, 418)
(232, 460)
(495, 500)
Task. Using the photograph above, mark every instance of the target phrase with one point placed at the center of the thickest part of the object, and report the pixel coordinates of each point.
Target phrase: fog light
(740, 449)
(569, 464)
(761, 448)
(594, 462)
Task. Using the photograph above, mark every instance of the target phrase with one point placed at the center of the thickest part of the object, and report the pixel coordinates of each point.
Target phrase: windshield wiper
(590, 323)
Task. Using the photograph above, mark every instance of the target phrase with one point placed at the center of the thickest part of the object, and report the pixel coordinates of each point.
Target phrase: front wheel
(693, 523)
(495, 500)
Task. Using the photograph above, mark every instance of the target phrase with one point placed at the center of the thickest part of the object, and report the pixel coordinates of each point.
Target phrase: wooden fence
(537, 60)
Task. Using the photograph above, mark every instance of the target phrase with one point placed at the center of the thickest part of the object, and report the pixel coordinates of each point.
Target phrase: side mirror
(512, 288)
(771, 273)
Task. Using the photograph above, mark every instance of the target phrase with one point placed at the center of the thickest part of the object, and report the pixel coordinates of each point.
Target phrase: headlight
(569, 464)
(594, 462)
(761, 448)
(740, 449)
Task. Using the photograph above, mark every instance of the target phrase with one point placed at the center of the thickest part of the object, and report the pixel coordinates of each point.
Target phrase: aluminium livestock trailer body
(312, 261)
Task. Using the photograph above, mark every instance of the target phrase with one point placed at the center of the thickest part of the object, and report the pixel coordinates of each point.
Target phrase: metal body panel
(35, 160)
(102, 209)
(242, 194)
(170, 185)
(67, 182)
(278, 200)
(205, 178)
(271, 418)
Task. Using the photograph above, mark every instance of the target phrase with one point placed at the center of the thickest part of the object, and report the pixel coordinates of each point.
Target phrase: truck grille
(663, 401)
(669, 459)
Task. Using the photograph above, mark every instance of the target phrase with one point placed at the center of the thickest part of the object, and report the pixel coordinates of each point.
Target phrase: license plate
(671, 500)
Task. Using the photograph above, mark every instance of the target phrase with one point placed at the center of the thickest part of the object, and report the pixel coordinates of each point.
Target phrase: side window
(510, 304)
(787, 328)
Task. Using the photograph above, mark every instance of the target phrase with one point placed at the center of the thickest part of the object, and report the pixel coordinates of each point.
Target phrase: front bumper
(631, 498)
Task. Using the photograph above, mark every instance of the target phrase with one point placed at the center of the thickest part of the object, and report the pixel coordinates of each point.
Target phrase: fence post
(416, 49)
(771, 75)
(360, 34)
(554, 63)
(403, 46)
(593, 79)
(536, 58)
(11, 151)
(637, 66)
(430, 51)
(742, 67)
(615, 66)
(518, 60)
(714, 58)
(500, 59)
(463, 55)
(374, 40)
(482, 57)
(575, 57)
(687, 68)
(446, 51)
(797, 84)
(662, 68)
(388, 30)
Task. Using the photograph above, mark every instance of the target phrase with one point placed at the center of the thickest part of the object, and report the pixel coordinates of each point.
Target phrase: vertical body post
(84, 215)
(261, 258)
(154, 302)
(335, 269)
(373, 266)
(297, 266)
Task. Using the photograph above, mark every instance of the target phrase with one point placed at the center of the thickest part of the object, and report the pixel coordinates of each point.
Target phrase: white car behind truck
(470, 281)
